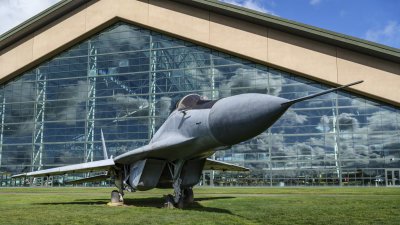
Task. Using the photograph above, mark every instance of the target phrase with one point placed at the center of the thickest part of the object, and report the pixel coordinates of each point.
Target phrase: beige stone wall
(309, 58)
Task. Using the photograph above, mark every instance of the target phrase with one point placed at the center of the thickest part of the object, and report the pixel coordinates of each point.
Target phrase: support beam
(39, 113)
(152, 89)
(3, 111)
(90, 103)
(335, 131)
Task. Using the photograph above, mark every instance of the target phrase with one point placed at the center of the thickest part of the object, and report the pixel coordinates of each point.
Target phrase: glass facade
(125, 81)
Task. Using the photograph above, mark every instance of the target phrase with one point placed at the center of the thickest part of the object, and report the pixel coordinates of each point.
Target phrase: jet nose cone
(238, 118)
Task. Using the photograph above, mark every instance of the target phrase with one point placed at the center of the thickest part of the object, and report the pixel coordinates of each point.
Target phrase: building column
(335, 123)
(152, 89)
(90, 103)
(3, 111)
(39, 112)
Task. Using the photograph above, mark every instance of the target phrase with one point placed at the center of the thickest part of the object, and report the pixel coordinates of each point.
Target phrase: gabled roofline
(38, 21)
(296, 28)
(352, 43)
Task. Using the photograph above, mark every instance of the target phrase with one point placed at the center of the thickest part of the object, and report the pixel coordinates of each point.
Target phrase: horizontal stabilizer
(291, 102)
(89, 179)
(102, 165)
(218, 165)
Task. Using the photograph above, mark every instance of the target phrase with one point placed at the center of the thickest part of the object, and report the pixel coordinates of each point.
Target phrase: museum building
(82, 66)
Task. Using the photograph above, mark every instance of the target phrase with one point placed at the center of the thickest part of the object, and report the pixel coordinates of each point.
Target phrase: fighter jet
(177, 154)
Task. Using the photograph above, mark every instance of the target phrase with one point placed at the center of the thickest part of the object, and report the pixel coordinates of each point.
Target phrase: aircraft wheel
(170, 202)
(180, 204)
(115, 196)
(189, 196)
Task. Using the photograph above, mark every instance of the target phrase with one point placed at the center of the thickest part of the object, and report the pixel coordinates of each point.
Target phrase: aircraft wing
(90, 179)
(161, 149)
(102, 165)
(150, 150)
(218, 165)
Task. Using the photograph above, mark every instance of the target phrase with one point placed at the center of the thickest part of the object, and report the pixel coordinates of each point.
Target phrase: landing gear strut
(117, 196)
(185, 196)
(179, 195)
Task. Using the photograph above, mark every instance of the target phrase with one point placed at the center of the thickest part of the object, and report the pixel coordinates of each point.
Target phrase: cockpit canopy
(194, 101)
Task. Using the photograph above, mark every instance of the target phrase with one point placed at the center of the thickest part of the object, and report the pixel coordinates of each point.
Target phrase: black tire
(115, 196)
(180, 204)
(170, 202)
(188, 195)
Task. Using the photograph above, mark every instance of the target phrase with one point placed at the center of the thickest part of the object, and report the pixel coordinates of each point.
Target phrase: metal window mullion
(152, 88)
(90, 103)
(213, 97)
(3, 109)
(212, 79)
(269, 136)
(39, 113)
(336, 132)
(90, 133)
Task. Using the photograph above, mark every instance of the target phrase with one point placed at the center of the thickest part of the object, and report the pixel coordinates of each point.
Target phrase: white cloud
(14, 12)
(251, 4)
(291, 118)
(388, 35)
(315, 2)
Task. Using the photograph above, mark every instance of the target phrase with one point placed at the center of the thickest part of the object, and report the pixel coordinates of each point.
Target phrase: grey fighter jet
(177, 154)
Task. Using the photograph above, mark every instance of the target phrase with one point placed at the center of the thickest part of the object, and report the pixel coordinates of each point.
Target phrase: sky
(373, 20)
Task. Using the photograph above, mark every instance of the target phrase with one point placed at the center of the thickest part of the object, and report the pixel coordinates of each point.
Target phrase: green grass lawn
(212, 206)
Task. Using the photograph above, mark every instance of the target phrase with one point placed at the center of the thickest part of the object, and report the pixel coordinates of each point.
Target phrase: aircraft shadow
(198, 206)
(149, 202)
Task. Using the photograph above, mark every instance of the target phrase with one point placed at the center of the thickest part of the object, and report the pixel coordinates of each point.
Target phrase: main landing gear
(117, 196)
(186, 197)
(180, 196)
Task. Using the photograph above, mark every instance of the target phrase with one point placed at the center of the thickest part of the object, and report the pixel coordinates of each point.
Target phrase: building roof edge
(352, 43)
(38, 21)
(296, 28)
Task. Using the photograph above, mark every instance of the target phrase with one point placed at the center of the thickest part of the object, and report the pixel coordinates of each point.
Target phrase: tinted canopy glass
(194, 101)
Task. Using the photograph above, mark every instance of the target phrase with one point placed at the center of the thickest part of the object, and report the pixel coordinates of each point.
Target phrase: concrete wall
(312, 59)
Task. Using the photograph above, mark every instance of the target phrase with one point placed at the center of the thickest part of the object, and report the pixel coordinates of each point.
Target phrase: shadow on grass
(198, 206)
(149, 202)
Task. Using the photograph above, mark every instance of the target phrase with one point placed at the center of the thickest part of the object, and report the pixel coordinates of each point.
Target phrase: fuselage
(219, 125)
(190, 124)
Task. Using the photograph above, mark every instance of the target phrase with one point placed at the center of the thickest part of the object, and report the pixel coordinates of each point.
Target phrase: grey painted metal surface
(238, 118)
(90, 179)
(218, 165)
(101, 165)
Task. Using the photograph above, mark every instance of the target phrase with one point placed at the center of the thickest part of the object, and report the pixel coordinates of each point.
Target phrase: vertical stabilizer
(104, 145)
